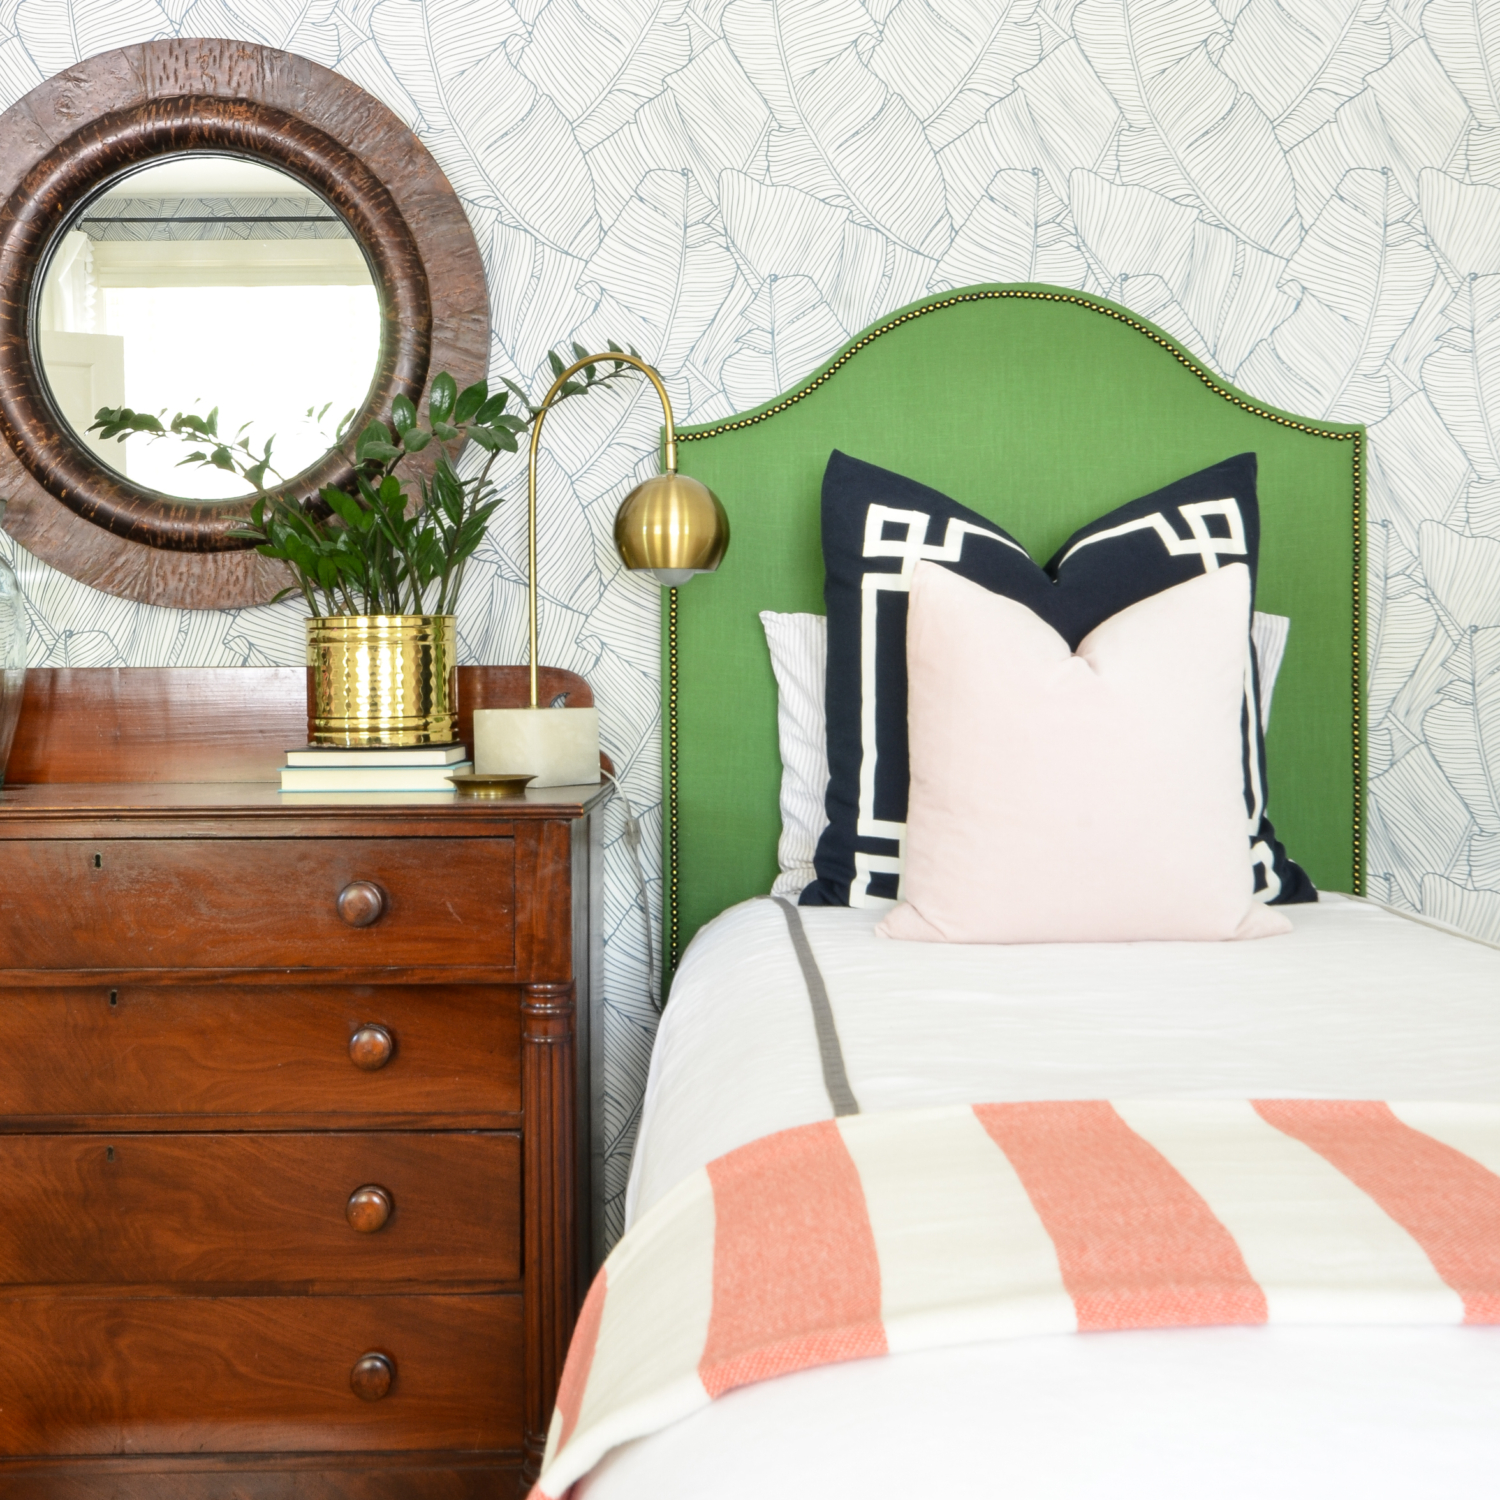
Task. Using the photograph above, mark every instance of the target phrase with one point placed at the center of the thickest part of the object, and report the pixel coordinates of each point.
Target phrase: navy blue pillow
(876, 527)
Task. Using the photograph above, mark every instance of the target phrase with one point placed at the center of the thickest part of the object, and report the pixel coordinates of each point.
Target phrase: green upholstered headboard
(1042, 409)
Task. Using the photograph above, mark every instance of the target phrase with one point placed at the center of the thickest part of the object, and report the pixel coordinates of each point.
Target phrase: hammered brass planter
(382, 680)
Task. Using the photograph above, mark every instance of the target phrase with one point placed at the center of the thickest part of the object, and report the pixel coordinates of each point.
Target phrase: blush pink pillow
(1061, 798)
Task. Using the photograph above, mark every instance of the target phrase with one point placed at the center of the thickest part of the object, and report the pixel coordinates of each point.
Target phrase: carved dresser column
(549, 1174)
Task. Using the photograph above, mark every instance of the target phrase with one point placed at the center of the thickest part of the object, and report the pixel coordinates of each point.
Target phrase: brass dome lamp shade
(669, 526)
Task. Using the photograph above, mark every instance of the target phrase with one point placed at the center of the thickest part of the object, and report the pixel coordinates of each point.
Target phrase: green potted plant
(379, 573)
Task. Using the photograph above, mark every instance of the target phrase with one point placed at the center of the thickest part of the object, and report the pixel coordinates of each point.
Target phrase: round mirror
(195, 228)
(204, 306)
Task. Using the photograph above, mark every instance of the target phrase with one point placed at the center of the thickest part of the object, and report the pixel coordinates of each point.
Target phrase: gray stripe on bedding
(830, 1054)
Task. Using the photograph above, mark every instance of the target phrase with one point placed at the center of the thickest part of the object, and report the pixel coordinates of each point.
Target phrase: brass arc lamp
(670, 527)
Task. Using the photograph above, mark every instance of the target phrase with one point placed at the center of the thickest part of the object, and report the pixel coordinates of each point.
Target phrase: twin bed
(803, 1028)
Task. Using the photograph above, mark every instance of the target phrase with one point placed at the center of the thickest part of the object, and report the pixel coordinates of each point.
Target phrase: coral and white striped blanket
(879, 1233)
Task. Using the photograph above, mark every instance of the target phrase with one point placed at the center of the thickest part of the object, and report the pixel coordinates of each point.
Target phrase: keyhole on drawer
(114, 997)
(109, 1153)
(98, 861)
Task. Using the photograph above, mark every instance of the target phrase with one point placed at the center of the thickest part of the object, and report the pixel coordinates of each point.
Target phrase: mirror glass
(215, 287)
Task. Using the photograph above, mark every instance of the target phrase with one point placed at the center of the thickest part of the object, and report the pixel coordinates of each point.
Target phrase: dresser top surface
(264, 799)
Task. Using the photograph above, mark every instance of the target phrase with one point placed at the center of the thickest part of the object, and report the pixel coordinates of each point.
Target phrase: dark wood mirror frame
(124, 108)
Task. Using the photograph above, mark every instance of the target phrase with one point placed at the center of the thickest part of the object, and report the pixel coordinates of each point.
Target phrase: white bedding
(1357, 1002)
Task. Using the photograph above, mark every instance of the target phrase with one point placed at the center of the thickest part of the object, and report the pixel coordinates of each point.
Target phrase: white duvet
(1357, 1002)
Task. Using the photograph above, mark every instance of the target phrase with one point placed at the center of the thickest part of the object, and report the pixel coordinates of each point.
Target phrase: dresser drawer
(124, 1049)
(256, 903)
(252, 1212)
(257, 1374)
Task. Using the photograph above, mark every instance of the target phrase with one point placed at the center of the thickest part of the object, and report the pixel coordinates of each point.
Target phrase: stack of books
(418, 768)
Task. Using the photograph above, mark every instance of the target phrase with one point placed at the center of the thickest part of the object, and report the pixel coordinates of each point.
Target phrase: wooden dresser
(295, 1137)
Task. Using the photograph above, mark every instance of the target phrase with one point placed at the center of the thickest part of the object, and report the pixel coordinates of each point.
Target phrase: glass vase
(12, 655)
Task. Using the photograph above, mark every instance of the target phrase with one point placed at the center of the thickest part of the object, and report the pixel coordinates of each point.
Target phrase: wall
(1308, 196)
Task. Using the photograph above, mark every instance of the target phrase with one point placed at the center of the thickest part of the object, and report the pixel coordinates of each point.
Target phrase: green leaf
(441, 398)
(415, 439)
(443, 432)
(374, 445)
(446, 484)
(485, 438)
(122, 419)
(346, 508)
(469, 401)
(403, 415)
(557, 365)
(300, 555)
(589, 370)
(220, 458)
(492, 408)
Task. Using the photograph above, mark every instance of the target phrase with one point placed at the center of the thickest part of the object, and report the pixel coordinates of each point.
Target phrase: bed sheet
(1357, 1002)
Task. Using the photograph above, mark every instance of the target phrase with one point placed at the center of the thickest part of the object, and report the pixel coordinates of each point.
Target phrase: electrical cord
(643, 900)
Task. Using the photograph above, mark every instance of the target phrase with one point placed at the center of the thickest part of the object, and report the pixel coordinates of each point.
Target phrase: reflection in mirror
(200, 284)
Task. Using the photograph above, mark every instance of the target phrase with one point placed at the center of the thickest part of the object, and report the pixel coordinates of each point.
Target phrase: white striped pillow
(799, 658)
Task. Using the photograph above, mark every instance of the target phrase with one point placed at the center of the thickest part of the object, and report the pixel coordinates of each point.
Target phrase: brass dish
(491, 784)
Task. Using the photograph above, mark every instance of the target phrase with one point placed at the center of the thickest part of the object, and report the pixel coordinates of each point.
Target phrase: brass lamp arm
(536, 433)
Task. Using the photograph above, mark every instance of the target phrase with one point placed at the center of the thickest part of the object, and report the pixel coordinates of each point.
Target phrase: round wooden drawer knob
(371, 1047)
(368, 1209)
(361, 903)
(371, 1377)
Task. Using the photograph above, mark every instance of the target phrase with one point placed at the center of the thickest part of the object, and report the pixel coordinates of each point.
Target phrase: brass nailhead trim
(1357, 695)
(1185, 360)
(673, 923)
(1188, 363)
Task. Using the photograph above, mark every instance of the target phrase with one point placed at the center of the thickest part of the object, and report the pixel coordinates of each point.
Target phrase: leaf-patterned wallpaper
(1307, 195)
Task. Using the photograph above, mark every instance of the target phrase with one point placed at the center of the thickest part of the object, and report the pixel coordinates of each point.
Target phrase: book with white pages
(327, 756)
(369, 799)
(372, 778)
